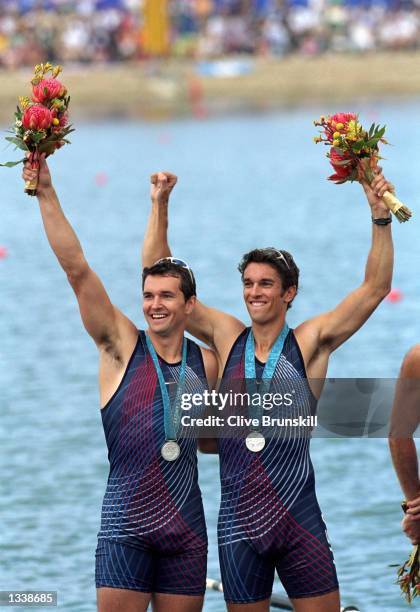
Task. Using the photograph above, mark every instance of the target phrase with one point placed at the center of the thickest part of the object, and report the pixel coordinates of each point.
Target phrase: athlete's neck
(168, 347)
(265, 336)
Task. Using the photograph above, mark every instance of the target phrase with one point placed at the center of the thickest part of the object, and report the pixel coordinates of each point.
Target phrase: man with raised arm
(405, 418)
(269, 517)
(152, 544)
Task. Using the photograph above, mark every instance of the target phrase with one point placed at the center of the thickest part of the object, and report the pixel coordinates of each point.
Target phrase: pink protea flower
(47, 89)
(37, 117)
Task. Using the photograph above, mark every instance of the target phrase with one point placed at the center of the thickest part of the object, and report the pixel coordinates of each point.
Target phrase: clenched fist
(162, 184)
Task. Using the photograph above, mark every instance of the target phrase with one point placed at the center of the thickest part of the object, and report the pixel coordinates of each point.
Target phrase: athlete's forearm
(60, 234)
(155, 243)
(380, 262)
(404, 457)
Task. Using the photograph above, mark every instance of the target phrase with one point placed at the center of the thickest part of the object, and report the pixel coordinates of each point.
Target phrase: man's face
(164, 305)
(264, 296)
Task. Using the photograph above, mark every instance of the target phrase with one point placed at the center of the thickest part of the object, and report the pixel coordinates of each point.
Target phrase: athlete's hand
(411, 528)
(375, 191)
(30, 170)
(162, 184)
(413, 509)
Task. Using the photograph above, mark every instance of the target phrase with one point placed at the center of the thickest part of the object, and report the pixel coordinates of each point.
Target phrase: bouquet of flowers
(41, 123)
(354, 153)
(409, 572)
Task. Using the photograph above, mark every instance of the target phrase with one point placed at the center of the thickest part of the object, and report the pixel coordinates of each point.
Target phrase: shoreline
(173, 88)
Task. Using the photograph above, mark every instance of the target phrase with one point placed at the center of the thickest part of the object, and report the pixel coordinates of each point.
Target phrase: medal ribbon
(171, 421)
(255, 412)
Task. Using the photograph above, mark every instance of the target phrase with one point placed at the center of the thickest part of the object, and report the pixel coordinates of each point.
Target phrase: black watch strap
(382, 220)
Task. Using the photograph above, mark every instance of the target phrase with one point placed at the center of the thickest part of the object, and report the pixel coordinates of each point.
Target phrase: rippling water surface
(243, 182)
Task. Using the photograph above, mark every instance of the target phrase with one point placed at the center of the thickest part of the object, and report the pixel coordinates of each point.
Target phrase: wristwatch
(382, 220)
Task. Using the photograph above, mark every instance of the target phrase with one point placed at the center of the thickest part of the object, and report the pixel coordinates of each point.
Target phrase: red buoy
(394, 296)
(101, 179)
(3, 252)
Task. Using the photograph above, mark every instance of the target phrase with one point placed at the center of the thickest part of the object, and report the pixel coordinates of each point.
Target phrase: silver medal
(255, 441)
(170, 451)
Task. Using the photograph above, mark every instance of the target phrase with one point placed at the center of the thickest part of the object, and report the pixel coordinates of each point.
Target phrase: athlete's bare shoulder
(410, 367)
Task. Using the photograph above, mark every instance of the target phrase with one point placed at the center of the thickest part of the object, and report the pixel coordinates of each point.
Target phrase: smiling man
(152, 544)
(269, 517)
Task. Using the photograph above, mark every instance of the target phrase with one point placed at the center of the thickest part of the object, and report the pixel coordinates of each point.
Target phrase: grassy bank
(172, 88)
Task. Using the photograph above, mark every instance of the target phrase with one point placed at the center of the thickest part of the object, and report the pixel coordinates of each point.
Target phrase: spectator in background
(87, 31)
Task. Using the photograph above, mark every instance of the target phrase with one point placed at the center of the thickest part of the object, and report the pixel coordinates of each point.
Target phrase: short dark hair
(281, 261)
(167, 268)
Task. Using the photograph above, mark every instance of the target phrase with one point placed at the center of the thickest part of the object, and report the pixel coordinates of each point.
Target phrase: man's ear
(290, 294)
(189, 304)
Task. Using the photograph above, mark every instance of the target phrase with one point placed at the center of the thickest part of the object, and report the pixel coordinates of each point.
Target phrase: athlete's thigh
(306, 565)
(256, 606)
(163, 602)
(324, 603)
(247, 576)
(121, 600)
(119, 566)
(183, 573)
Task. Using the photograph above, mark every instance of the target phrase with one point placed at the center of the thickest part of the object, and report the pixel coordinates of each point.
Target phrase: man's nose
(156, 302)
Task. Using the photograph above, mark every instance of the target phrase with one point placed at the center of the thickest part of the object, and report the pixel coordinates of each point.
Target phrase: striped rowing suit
(153, 534)
(269, 516)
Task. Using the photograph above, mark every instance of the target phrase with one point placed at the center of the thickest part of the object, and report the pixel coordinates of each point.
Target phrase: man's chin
(261, 318)
(257, 315)
(161, 328)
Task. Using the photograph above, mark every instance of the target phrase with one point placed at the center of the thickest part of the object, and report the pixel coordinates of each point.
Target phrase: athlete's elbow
(378, 291)
(76, 271)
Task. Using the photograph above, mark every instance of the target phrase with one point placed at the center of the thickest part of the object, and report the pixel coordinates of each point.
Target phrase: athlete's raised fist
(162, 184)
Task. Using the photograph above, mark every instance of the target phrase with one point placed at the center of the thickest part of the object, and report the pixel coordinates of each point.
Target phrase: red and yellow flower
(37, 117)
(48, 89)
(354, 153)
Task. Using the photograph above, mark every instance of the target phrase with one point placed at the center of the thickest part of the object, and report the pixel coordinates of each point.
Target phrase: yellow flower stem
(398, 209)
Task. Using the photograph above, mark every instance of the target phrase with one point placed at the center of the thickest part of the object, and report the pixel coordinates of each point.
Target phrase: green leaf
(344, 162)
(37, 137)
(11, 164)
(17, 142)
(339, 151)
(358, 145)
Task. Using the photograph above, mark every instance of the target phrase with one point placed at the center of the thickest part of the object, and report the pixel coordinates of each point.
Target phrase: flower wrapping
(41, 123)
(354, 153)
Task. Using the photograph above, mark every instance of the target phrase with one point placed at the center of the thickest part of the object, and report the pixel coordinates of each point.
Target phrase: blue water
(243, 182)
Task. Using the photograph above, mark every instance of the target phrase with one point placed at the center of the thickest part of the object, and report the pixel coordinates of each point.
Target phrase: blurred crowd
(85, 31)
